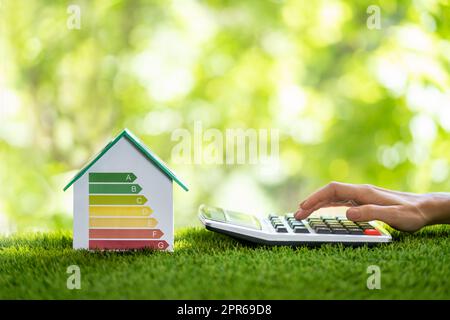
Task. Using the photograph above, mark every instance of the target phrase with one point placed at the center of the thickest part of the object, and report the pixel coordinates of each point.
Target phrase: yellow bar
(123, 211)
(122, 222)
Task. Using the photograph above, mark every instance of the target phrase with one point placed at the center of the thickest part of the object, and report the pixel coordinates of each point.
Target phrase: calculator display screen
(231, 217)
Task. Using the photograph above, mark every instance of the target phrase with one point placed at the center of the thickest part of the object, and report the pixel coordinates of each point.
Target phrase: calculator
(286, 230)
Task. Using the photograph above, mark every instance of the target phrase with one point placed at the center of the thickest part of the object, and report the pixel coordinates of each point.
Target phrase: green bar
(114, 188)
(118, 200)
(111, 177)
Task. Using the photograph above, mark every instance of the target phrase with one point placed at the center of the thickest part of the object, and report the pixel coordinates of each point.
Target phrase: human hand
(401, 210)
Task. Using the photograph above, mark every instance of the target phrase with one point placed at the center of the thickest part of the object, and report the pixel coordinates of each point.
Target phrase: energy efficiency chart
(119, 217)
(123, 198)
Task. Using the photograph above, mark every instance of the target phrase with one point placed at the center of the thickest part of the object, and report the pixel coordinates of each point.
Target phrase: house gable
(155, 160)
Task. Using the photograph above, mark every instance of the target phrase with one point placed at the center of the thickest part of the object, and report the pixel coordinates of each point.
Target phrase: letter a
(181, 152)
(74, 19)
(74, 280)
(374, 20)
(374, 280)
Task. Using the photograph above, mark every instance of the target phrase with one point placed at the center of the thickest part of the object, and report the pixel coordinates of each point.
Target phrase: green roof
(141, 147)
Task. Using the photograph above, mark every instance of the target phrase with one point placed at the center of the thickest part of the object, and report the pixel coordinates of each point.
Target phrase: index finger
(342, 192)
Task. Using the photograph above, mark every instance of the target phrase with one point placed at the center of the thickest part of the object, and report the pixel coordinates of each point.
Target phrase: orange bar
(125, 233)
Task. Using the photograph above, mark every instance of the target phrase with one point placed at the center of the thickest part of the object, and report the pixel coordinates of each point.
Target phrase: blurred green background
(351, 104)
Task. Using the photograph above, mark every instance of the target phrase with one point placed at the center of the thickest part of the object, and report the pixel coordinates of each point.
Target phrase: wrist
(436, 208)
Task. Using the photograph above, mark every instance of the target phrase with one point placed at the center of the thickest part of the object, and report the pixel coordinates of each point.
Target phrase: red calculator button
(372, 232)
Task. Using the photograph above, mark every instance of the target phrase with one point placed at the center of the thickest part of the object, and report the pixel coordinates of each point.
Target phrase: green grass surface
(206, 265)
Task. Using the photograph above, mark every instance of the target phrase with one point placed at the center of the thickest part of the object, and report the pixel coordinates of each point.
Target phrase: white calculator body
(286, 230)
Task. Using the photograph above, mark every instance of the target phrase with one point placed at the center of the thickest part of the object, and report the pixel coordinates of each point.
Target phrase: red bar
(128, 244)
(125, 233)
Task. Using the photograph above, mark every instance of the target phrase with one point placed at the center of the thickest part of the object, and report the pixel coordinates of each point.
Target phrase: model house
(123, 199)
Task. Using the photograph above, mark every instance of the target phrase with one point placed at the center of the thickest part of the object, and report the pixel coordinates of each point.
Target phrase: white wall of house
(156, 187)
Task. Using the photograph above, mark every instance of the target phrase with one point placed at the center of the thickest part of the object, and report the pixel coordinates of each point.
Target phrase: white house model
(123, 199)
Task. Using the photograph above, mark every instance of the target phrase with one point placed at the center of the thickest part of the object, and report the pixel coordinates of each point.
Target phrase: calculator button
(335, 225)
(301, 230)
(281, 229)
(355, 231)
(350, 225)
(353, 227)
(272, 216)
(340, 231)
(323, 230)
(372, 232)
(317, 225)
(289, 215)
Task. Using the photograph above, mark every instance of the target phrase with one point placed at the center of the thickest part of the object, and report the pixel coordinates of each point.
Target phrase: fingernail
(353, 214)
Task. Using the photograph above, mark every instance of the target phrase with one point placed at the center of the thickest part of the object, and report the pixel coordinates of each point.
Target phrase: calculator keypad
(296, 225)
(279, 223)
(342, 225)
(322, 225)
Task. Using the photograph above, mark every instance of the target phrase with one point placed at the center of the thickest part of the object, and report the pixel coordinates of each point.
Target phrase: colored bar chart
(128, 222)
(119, 216)
(111, 177)
(114, 188)
(128, 244)
(126, 211)
(125, 233)
(117, 199)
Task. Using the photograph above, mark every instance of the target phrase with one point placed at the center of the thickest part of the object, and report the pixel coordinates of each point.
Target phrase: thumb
(368, 212)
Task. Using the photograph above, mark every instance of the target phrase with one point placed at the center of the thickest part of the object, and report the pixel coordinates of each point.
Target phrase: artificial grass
(206, 265)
